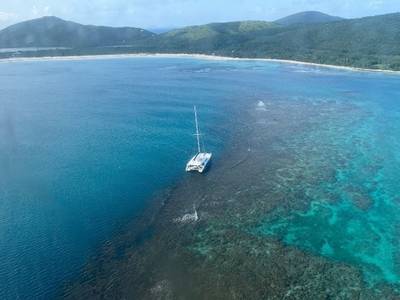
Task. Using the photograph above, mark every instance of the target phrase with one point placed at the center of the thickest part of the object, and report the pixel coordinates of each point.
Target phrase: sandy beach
(194, 56)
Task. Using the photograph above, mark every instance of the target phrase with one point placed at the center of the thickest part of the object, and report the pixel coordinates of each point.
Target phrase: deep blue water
(84, 144)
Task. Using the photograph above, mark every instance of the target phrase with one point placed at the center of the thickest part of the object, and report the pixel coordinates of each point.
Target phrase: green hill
(55, 32)
(371, 42)
(307, 17)
(211, 37)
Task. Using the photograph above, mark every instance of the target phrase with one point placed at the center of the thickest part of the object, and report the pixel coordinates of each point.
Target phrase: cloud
(375, 4)
(35, 11)
(46, 9)
(40, 11)
(175, 13)
(7, 17)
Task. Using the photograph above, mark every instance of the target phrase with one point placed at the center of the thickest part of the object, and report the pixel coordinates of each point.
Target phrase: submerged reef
(297, 209)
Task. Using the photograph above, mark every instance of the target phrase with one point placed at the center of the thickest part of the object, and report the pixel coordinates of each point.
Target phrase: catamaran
(200, 161)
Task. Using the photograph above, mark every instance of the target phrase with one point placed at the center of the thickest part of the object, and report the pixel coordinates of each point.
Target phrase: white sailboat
(200, 161)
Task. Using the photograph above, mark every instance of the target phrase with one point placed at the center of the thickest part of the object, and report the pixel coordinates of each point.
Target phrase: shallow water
(353, 215)
(311, 176)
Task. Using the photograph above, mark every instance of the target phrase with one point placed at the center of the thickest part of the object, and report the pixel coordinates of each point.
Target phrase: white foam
(187, 218)
(261, 104)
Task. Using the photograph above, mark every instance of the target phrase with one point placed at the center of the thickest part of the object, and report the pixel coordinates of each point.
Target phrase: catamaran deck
(198, 162)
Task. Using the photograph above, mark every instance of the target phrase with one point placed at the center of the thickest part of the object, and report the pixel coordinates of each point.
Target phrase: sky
(154, 14)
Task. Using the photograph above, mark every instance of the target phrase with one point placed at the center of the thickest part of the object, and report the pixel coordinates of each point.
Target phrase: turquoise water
(353, 216)
(85, 144)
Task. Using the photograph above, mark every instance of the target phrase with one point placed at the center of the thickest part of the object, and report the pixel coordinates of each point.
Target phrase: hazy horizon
(159, 15)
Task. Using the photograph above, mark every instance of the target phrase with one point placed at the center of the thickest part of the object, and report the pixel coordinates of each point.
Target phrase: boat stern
(199, 162)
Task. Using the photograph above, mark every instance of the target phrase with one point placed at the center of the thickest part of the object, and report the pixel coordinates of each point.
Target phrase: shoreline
(193, 56)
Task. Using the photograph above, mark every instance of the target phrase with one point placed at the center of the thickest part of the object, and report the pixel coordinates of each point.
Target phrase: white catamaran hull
(198, 162)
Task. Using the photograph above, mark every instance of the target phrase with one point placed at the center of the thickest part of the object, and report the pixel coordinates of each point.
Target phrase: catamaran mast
(197, 129)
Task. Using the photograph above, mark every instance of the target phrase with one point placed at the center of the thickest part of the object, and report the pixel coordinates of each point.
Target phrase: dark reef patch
(284, 156)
